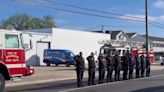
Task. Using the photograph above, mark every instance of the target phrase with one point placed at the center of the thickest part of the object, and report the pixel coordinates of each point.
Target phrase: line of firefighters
(115, 63)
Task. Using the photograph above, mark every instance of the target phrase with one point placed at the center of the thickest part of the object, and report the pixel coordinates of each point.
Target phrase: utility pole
(146, 24)
(103, 28)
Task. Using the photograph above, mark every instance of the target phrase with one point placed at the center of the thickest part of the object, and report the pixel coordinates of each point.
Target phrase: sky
(69, 20)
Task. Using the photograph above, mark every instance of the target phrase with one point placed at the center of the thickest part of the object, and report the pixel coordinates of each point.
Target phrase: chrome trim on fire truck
(15, 65)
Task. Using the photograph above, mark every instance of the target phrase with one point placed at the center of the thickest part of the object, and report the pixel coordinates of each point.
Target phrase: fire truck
(12, 57)
(106, 48)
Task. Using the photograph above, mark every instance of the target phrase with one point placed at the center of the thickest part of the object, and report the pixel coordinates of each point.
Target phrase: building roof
(130, 35)
(113, 33)
(47, 31)
(153, 38)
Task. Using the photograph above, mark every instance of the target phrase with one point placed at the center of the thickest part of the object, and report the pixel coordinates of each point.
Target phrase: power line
(63, 4)
(100, 11)
(77, 12)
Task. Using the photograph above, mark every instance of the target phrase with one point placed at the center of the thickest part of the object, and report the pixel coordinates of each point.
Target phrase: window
(121, 37)
(11, 41)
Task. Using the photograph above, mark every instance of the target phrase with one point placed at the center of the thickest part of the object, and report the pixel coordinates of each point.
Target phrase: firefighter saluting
(91, 69)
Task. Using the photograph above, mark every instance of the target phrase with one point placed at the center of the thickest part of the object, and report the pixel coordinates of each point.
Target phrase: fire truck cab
(107, 48)
(12, 57)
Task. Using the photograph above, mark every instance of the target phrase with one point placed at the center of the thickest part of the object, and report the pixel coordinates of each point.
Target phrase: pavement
(145, 84)
(46, 74)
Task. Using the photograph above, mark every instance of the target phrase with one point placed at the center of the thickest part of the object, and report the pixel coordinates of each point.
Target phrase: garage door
(40, 51)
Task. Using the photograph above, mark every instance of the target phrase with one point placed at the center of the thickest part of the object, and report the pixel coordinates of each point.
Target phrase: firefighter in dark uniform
(91, 69)
(110, 67)
(143, 64)
(138, 66)
(117, 66)
(102, 68)
(80, 67)
(148, 66)
(125, 66)
(131, 65)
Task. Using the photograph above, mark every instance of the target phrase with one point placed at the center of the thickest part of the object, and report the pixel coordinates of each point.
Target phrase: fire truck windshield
(106, 51)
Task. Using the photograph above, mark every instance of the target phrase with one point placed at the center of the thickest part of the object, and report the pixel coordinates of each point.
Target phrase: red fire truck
(12, 57)
(123, 49)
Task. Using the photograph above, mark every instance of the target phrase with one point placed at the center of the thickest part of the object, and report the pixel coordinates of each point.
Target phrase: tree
(25, 22)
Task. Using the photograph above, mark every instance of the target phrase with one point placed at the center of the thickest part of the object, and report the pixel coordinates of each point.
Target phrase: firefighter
(143, 64)
(102, 68)
(117, 66)
(147, 66)
(80, 67)
(131, 65)
(110, 67)
(91, 69)
(125, 66)
(138, 66)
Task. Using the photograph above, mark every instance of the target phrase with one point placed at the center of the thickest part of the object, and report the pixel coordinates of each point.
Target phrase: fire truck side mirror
(29, 46)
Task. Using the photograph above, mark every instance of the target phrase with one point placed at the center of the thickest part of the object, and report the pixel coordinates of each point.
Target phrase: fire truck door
(12, 54)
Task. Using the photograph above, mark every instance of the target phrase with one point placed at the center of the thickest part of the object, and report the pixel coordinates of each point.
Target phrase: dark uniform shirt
(125, 62)
(80, 64)
(91, 62)
(143, 61)
(117, 62)
(102, 62)
(110, 62)
(130, 60)
(147, 61)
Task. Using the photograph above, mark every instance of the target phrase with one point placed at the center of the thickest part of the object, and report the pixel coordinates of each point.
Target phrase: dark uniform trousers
(80, 73)
(101, 75)
(91, 79)
(148, 67)
(148, 71)
(137, 72)
(125, 72)
(142, 71)
(109, 74)
(143, 65)
(131, 72)
(117, 73)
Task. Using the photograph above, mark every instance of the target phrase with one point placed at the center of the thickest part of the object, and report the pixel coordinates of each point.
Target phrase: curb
(37, 82)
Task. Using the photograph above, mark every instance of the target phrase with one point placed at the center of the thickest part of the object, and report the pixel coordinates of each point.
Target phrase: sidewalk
(49, 74)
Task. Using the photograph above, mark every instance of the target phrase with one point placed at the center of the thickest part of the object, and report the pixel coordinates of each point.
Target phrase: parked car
(58, 56)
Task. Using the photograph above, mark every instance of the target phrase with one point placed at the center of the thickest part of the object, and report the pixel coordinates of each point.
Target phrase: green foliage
(25, 22)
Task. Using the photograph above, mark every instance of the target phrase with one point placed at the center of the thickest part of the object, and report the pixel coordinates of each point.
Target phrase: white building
(56, 38)
(37, 40)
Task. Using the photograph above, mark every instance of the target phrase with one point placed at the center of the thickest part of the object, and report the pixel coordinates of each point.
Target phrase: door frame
(49, 47)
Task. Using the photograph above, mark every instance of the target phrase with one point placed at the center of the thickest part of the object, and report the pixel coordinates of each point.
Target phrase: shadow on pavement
(151, 89)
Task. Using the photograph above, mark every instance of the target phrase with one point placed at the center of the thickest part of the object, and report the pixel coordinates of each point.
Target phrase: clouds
(61, 21)
(159, 4)
(138, 17)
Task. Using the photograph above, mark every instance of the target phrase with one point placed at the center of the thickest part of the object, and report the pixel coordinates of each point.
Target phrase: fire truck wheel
(2, 83)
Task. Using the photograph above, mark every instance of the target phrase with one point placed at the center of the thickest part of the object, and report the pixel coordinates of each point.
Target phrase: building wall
(31, 55)
(77, 41)
(158, 49)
